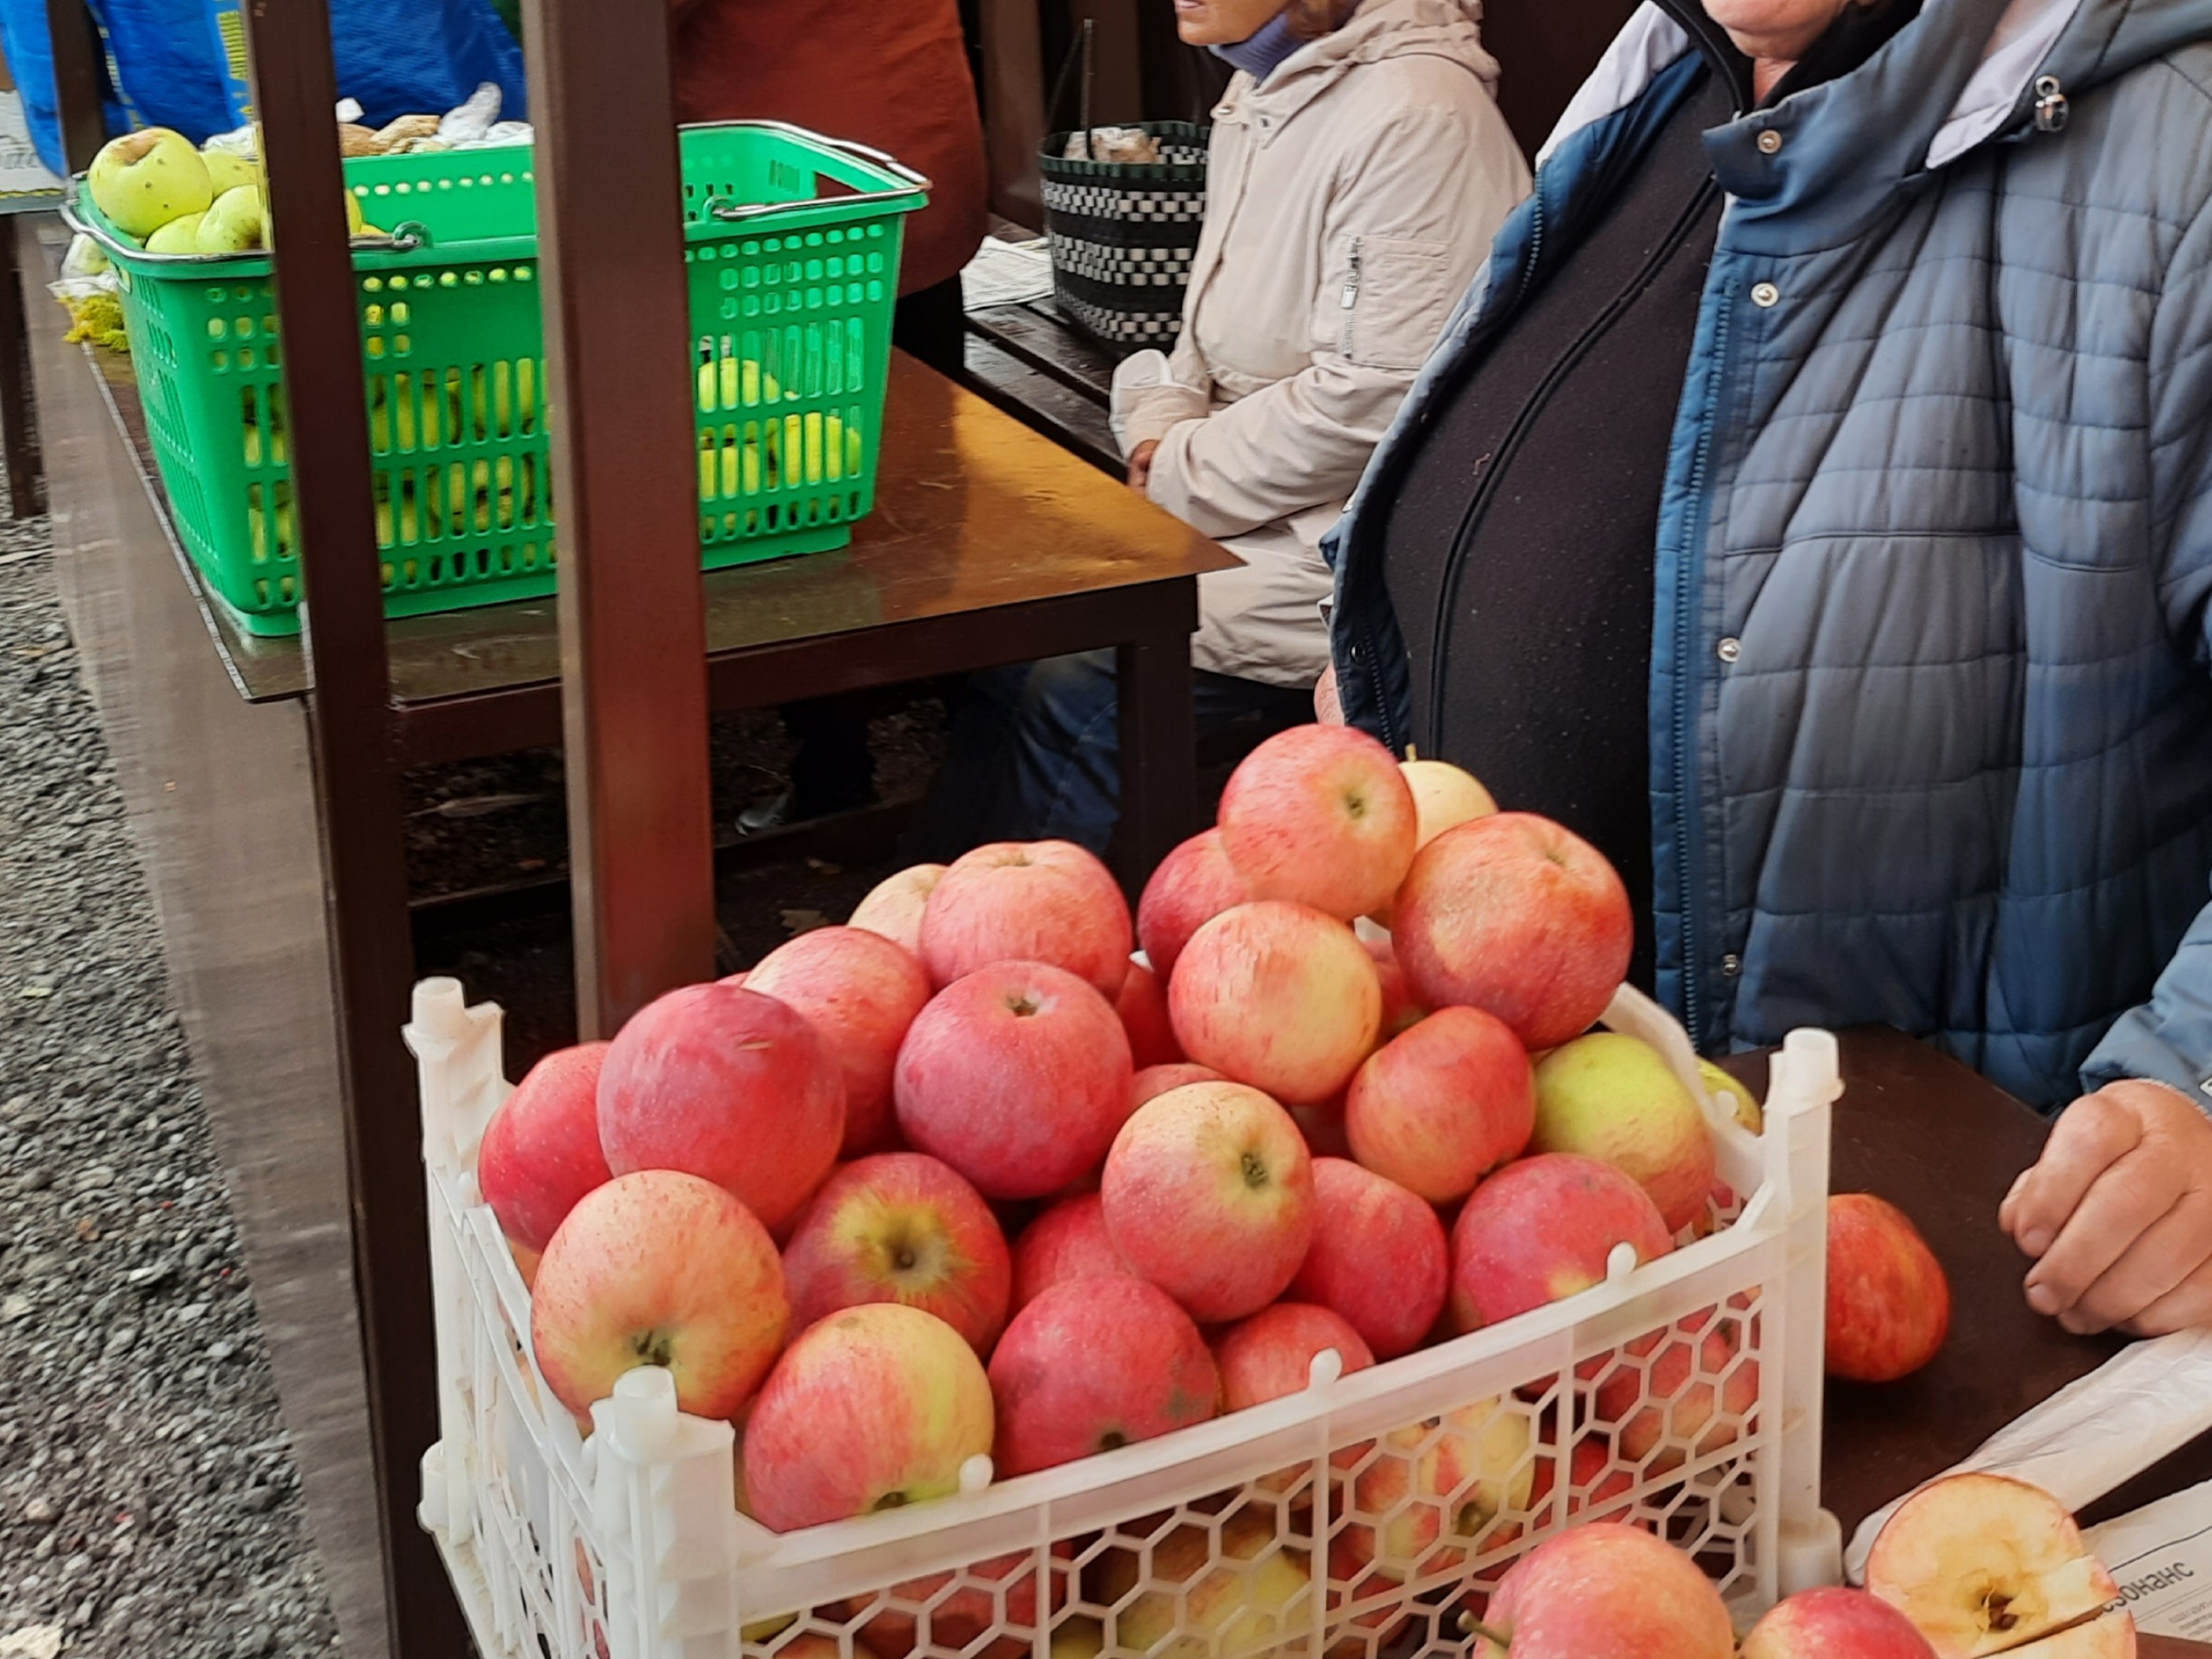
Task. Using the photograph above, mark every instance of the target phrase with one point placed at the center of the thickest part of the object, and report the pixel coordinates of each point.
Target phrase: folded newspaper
(2147, 1401)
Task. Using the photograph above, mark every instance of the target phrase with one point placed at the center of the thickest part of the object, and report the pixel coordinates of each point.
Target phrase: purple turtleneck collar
(1259, 55)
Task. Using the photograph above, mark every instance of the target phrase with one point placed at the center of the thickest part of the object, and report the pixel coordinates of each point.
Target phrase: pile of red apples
(966, 1178)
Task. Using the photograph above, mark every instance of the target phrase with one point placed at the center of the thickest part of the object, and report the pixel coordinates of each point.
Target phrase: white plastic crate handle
(1804, 1083)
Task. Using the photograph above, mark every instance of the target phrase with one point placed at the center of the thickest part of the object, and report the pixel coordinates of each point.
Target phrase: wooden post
(625, 492)
(357, 778)
(78, 54)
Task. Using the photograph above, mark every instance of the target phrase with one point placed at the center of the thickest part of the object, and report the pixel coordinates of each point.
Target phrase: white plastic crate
(1345, 1520)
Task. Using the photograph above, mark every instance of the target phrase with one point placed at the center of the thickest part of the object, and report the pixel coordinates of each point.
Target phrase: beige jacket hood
(1351, 200)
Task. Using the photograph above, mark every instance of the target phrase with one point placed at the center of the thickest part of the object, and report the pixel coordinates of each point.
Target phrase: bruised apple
(1069, 1242)
(540, 1151)
(1047, 901)
(1541, 1230)
(1889, 1303)
(1606, 1589)
(1443, 1104)
(1614, 1097)
(1835, 1624)
(1378, 1257)
(1278, 995)
(1516, 915)
(1194, 884)
(893, 907)
(902, 1227)
(1980, 1562)
(730, 1085)
(1320, 816)
(860, 992)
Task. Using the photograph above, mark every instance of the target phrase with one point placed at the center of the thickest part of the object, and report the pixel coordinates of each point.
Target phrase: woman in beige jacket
(1359, 169)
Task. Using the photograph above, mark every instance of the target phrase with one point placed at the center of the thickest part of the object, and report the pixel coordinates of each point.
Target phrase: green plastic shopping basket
(791, 244)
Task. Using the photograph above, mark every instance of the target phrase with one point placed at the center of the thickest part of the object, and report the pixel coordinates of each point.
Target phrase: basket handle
(1078, 52)
(405, 238)
(911, 181)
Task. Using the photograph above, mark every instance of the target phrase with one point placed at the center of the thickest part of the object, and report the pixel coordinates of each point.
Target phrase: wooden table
(1045, 372)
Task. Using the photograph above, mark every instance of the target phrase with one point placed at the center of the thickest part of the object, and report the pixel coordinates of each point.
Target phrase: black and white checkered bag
(1123, 234)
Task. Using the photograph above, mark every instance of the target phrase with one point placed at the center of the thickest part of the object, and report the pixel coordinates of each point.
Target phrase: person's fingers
(2091, 1136)
(2012, 1199)
(2187, 1305)
(2163, 1257)
(2123, 1202)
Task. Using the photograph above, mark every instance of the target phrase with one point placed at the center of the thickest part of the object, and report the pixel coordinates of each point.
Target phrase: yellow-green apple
(1402, 1009)
(902, 1227)
(659, 1268)
(728, 1085)
(949, 1612)
(1278, 996)
(1155, 1080)
(1208, 1193)
(236, 223)
(1272, 1354)
(1515, 915)
(1678, 1393)
(227, 170)
(1445, 796)
(1096, 1363)
(1143, 1008)
(1435, 1493)
(1442, 1105)
(1835, 1624)
(1734, 1095)
(1613, 1097)
(873, 1408)
(893, 906)
(860, 992)
(1078, 1639)
(1540, 1230)
(1889, 1303)
(1378, 1257)
(1980, 1562)
(1069, 1242)
(1018, 1075)
(540, 1151)
(1028, 901)
(146, 178)
(1194, 884)
(1322, 1124)
(1320, 816)
(179, 235)
(1606, 1588)
(1247, 1597)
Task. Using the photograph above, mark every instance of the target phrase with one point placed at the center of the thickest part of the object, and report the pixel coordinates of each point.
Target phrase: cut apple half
(1984, 1564)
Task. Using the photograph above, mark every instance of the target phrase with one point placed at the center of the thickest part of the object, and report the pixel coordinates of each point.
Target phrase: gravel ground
(148, 1504)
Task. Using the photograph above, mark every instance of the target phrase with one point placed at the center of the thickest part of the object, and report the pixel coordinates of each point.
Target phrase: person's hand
(2117, 1213)
(1141, 463)
(1327, 709)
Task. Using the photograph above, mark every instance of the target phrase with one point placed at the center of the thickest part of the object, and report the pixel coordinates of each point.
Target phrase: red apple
(1541, 1230)
(1889, 1303)
(1322, 1124)
(1614, 1097)
(893, 906)
(540, 1151)
(1278, 995)
(1444, 798)
(1835, 1624)
(874, 1408)
(1515, 915)
(1436, 1492)
(1155, 1080)
(1093, 1364)
(1272, 1354)
(1607, 1589)
(947, 1613)
(902, 1227)
(728, 1085)
(1069, 1242)
(659, 1268)
(1208, 1193)
(1378, 1257)
(1680, 1393)
(1194, 884)
(1402, 1009)
(860, 992)
(1016, 1075)
(1143, 1008)
(1320, 816)
(1047, 901)
(1194, 1595)
(1441, 1105)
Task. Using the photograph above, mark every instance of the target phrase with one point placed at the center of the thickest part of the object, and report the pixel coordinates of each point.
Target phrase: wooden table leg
(18, 424)
(1160, 744)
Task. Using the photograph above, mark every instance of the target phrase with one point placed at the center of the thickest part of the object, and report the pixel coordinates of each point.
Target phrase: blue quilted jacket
(1930, 708)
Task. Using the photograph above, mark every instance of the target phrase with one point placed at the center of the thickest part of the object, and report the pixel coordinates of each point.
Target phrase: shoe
(769, 813)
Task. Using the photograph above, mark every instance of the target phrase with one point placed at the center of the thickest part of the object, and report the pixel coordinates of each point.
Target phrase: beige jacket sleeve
(1415, 210)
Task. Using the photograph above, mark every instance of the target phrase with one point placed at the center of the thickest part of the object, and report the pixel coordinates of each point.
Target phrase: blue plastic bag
(182, 63)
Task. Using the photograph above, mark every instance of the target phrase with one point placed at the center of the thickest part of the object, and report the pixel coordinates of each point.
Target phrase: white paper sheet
(1006, 273)
(2161, 1556)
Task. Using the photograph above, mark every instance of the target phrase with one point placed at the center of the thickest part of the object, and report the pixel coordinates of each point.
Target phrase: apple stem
(1476, 1628)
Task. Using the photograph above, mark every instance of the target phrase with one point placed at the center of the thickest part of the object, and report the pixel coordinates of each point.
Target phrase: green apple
(227, 169)
(1611, 1097)
(356, 221)
(1733, 1095)
(176, 236)
(238, 223)
(143, 180)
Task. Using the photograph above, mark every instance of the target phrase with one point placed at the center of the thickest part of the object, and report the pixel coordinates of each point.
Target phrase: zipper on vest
(1351, 296)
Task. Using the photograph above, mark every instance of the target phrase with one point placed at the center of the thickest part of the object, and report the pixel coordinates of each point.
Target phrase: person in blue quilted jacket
(1813, 506)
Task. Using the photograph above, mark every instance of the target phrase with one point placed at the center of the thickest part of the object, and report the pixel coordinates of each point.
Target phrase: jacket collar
(1381, 28)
